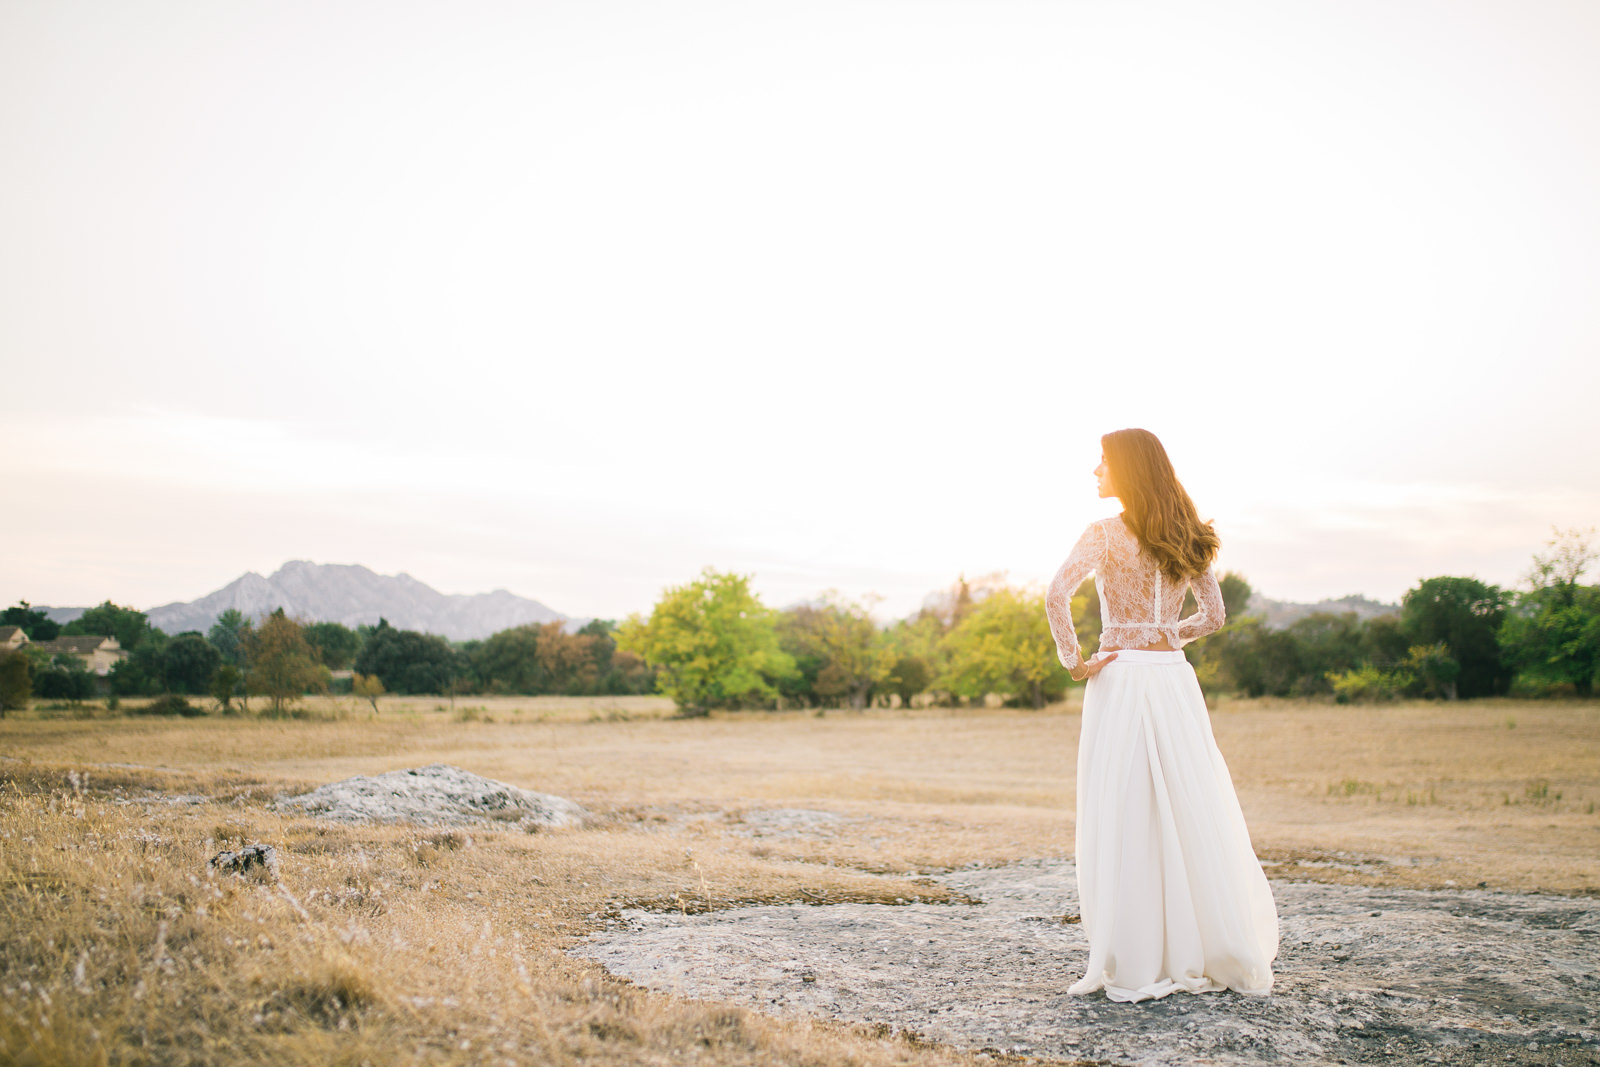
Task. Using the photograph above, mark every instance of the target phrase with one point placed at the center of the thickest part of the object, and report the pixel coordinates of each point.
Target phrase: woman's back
(1139, 605)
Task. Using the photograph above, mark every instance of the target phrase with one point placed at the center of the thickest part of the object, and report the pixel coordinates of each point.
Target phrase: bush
(1369, 685)
(64, 683)
(169, 704)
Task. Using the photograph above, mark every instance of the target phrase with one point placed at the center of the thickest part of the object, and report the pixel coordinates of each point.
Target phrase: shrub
(169, 704)
(1369, 685)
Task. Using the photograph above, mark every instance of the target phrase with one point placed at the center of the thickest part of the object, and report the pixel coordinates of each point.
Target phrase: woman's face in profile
(1102, 476)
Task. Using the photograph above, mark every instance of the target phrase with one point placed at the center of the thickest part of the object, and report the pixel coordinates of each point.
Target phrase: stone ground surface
(435, 795)
(1363, 976)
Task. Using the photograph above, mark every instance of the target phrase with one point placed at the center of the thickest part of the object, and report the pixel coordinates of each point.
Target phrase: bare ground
(1365, 975)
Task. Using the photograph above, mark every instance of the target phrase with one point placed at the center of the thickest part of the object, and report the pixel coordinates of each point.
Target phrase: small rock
(261, 860)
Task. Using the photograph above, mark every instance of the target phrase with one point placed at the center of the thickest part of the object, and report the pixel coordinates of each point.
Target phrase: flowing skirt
(1171, 894)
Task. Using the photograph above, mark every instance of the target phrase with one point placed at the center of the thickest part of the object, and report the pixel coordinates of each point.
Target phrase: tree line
(714, 644)
(281, 659)
(711, 643)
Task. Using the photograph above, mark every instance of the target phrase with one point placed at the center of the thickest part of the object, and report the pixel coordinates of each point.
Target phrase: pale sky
(576, 298)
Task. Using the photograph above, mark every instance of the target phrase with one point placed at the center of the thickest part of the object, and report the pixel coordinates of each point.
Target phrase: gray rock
(1363, 975)
(259, 860)
(435, 795)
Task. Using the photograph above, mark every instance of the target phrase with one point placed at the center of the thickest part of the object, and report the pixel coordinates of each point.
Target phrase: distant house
(12, 638)
(99, 654)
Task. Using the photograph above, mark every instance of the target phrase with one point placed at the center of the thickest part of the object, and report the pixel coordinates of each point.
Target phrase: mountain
(1278, 614)
(352, 595)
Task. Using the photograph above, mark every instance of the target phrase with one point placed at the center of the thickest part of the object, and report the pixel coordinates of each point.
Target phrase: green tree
(36, 624)
(1326, 643)
(619, 672)
(16, 681)
(1003, 645)
(128, 626)
(1551, 637)
(225, 686)
(1465, 615)
(66, 678)
(839, 655)
(1247, 657)
(334, 644)
(408, 661)
(1384, 643)
(856, 660)
(228, 635)
(189, 662)
(143, 672)
(282, 666)
(1435, 671)
(508, 662)
(712, 643)
(908, 676)
(1236, 594)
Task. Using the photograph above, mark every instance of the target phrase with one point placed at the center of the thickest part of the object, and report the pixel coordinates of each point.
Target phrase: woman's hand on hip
(1091, 667)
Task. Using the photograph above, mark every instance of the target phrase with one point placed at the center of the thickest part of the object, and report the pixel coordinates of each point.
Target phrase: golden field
(404, 944)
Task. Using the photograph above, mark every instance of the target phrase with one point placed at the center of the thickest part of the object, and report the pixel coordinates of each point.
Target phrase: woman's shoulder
(1111, 526)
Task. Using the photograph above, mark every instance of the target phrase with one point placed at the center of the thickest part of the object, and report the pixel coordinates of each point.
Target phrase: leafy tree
(189, 663)
(229, 634)
(225, 685)
(508, 662)
(568, 660)
(334, 644)
(712, 642)
(856, 659)
(408, 661)
(1236, 594)
(36, 624)
(128, 626)
(368, 687)
(1252, 659)
(796, 628)
(619, 672)
(1383, 642)
(144, 671)
(1434, 670)
(16, 681)
(908, 676)
(838, 653)
(64, 679)
(1551, 638)
(1326, 643)
(282, 665)
(1003, 645)
(1465, 615)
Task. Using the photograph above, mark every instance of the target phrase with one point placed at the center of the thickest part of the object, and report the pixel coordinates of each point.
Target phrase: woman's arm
(1211, 613)
(1086, 555)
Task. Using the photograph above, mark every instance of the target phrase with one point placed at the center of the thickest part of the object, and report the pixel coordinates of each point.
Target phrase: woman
(1170, 890)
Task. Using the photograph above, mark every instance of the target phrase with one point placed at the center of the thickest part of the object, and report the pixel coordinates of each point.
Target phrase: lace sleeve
(1211, 614)
(1086, 555)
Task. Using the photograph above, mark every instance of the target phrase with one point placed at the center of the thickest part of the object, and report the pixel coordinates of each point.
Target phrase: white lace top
(1138, 604)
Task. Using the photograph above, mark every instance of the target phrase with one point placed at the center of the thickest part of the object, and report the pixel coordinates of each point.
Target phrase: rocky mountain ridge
(354, 595)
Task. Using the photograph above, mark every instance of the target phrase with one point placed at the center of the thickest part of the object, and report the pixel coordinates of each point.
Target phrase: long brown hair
(1156, 507)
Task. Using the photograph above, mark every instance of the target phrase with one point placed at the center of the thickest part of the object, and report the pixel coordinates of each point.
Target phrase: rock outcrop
(435, 795)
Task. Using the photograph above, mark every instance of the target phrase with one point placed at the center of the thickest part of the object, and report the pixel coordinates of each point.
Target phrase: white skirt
(1171, 893)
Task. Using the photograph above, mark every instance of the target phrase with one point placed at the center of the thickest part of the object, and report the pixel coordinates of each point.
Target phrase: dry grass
(397, 945)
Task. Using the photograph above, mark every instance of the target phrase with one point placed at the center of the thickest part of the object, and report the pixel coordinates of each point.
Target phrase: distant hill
(353, 595)
(1278, 614)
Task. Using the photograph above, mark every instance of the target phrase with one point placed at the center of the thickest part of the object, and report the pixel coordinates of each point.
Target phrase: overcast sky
(576, 298)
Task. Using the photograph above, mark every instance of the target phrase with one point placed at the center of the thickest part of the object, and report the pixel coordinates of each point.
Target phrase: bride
(1170, 890)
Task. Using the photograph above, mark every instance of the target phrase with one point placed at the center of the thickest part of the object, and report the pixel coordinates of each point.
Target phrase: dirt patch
(1365, 975)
